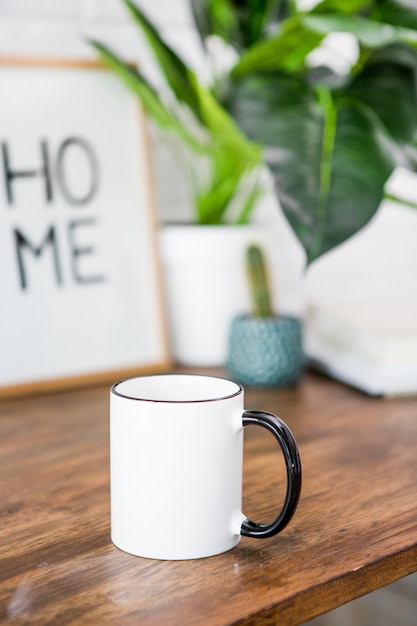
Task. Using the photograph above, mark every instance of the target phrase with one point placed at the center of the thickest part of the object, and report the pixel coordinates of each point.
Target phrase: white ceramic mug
(176, 447)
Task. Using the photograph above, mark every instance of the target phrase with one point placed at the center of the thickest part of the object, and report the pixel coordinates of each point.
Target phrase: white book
(370, 345)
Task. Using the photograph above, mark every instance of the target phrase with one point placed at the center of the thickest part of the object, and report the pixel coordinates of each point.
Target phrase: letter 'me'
(24, 244)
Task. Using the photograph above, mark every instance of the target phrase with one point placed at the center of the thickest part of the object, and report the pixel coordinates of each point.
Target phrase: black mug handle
(289, 449)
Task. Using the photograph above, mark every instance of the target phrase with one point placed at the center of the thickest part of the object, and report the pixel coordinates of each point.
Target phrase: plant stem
(403, 201)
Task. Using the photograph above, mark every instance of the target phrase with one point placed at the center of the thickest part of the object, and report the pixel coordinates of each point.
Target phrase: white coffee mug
(176, 447)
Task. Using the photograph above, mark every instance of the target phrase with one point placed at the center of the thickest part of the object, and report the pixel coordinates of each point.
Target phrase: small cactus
(258, 282)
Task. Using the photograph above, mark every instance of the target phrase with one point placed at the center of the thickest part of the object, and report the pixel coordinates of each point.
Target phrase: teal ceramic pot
(265, 351)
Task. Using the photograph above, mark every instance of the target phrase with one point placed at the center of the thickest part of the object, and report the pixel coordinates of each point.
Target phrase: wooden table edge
(325, 597)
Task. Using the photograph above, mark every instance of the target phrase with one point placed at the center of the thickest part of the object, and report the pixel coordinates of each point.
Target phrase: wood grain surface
(355, 529)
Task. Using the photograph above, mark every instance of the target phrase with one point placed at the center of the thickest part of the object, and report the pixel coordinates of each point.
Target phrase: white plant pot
(205, 287)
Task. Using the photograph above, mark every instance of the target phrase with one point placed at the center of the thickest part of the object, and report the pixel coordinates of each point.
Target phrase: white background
(380, 262)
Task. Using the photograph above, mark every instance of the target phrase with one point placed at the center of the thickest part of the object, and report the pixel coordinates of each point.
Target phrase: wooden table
(355, 529)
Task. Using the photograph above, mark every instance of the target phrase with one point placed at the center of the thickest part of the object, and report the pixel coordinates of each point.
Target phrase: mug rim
(125, 396)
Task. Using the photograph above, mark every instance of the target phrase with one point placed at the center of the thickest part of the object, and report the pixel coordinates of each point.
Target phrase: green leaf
(229, 167)
(225, 132)
(240, 24)
(256, 16)
(361, 164)
(328, 159)
(387, 84)
(229, 152)
(217, 17)
(149, 98)
(136, 83)
(213, 200)
(369, 33)
(179, 76)
(187, 89)
(285, 50)
(397, 12)
(343, 6)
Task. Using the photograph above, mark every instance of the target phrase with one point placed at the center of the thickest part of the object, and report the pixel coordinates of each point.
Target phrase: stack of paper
(370, 345)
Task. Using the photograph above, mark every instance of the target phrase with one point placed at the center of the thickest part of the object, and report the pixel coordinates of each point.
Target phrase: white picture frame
(81, 294)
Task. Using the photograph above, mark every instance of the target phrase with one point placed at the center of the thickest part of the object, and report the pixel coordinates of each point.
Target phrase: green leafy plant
(258, 282)
(331, 138)
(221, 163)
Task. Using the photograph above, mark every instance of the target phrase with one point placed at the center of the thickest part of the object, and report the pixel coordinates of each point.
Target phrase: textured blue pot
(265, 351)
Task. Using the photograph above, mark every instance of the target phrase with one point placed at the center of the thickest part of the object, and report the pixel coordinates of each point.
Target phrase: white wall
(381, 261)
